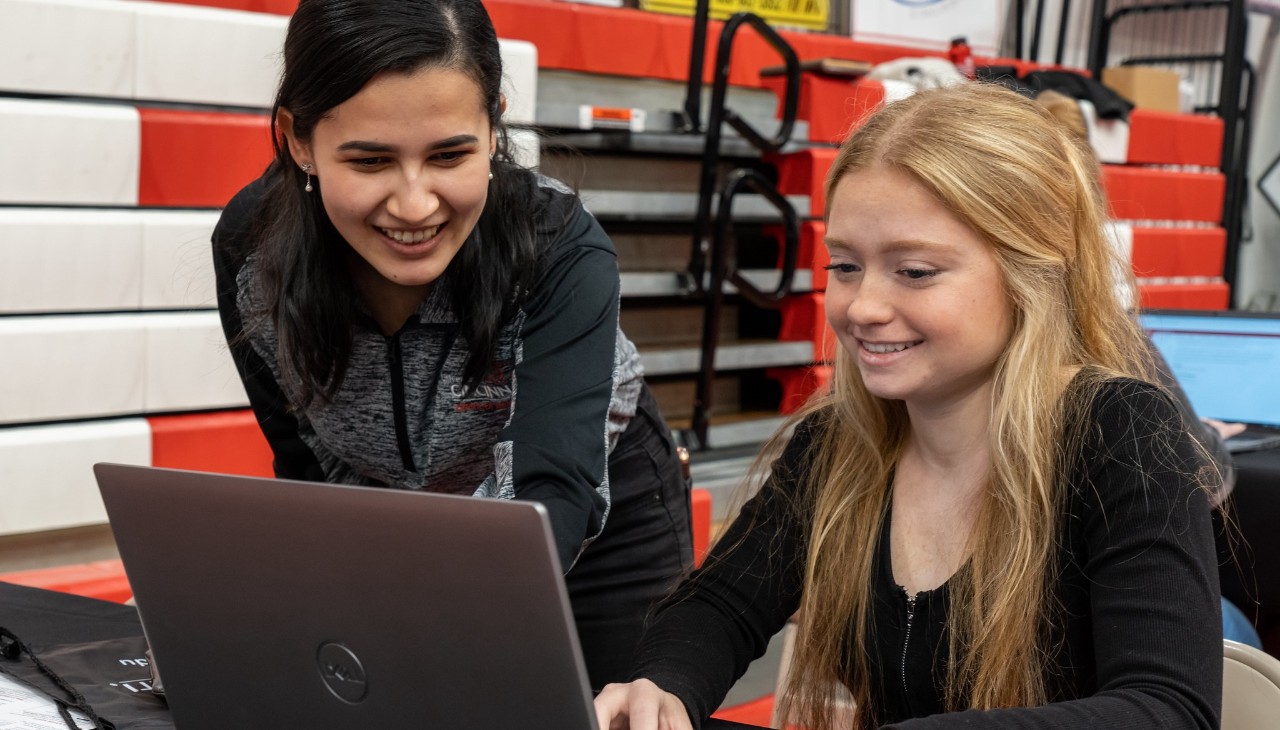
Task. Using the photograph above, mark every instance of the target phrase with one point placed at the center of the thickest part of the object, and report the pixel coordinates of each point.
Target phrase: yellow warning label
(810, 14)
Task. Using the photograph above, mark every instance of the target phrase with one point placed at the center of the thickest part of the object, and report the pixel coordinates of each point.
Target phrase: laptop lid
(1227, 362)
(270, 604)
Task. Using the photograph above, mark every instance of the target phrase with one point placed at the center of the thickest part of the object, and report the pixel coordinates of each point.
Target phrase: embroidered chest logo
(492, 394)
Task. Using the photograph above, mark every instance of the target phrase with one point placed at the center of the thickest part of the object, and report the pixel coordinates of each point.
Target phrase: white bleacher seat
(76, 366)
(177, 261)
(187, 364)
(83, 260)
(520, 85)
(75, 47)
(69, 260)
(64, 153)
(47, 471)
(207, 55)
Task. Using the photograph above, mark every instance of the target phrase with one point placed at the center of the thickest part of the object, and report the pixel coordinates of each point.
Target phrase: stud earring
(307, 169)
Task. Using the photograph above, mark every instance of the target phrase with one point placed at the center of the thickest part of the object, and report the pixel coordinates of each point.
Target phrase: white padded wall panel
(65, 367)
(47, 471)
(81, 47)
(177, 260)
(69, 260)
(54, 152)
(208, 55)
(520, 85)
(188, 365)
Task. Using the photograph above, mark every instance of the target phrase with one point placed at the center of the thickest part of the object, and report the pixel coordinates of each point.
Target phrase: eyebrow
(359, 145)
(898, 246)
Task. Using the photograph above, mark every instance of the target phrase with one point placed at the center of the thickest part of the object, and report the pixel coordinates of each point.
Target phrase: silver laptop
(278, 604)
(1228, 362)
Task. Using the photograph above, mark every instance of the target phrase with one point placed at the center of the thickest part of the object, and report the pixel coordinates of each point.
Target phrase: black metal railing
(713, 234)
(1232, 103)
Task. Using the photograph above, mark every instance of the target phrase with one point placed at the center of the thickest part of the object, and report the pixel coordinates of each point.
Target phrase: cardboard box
(1147, 87)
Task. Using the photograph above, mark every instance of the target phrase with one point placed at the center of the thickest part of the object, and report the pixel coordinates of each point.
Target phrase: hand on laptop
(640, 705)
(1225, 430)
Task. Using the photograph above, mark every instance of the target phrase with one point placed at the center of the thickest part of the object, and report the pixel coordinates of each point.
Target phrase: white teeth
(884, 348)
(410, 236)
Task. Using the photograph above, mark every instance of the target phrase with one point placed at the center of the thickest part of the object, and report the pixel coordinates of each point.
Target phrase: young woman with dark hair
(410, 308)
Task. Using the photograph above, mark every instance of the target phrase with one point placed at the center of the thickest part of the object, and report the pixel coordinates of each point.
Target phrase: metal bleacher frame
(712, 234)
(1233, 102)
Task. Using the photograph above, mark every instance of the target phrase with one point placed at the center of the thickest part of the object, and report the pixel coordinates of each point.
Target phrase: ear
(300, 151)
(493, 132)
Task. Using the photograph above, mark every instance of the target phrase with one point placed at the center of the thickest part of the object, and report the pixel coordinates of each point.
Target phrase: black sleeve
(554, 449)
(1150, 564)
(231, 246)
(706, 634)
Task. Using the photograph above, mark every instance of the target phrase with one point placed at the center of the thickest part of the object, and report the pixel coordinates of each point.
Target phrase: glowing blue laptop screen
(1227, 362)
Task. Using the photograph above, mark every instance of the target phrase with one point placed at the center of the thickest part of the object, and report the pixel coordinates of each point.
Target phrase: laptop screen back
(1227, 362)
(278, 604)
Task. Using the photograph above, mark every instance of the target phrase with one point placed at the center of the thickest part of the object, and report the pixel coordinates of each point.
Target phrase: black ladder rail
(718, 114)
(721, 273)
(711, 236)
(1234, 102)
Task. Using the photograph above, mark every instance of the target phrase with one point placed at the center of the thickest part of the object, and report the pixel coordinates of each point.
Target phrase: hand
(1225, 430)
(640, 705)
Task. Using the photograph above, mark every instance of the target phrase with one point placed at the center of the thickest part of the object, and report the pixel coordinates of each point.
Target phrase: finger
(609, 706)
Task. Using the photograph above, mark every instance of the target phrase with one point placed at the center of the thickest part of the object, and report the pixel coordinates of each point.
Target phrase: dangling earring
(490, 167)
(307, 169)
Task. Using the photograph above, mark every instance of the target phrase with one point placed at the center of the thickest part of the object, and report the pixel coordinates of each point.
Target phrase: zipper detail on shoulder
(906, 639)
(397, 402)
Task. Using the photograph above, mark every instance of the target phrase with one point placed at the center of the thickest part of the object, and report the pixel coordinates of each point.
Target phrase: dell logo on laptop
(342, 672)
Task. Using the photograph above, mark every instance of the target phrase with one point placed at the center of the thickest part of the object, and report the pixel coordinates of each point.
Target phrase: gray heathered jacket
(540, 426)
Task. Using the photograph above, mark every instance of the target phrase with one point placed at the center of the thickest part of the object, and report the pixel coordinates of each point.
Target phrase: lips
(410, 237)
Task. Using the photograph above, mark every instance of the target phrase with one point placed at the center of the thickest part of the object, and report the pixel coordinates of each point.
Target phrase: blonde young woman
(993, 520)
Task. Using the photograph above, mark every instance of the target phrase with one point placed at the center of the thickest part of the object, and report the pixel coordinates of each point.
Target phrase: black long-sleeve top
(1139, 624)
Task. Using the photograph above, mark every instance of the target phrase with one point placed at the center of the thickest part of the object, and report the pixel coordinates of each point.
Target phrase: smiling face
(403, 171)
(915, 294)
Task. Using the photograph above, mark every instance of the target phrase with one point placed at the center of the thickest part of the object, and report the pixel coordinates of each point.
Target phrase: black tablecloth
(45, 618)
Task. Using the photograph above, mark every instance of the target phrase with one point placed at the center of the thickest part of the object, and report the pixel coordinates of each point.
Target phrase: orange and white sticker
(610, 117)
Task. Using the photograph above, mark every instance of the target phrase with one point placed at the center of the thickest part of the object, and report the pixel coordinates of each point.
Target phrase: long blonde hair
(1017, 178)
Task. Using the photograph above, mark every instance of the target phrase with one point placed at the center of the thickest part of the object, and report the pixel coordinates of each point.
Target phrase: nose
(414, 199)
(871, 302)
